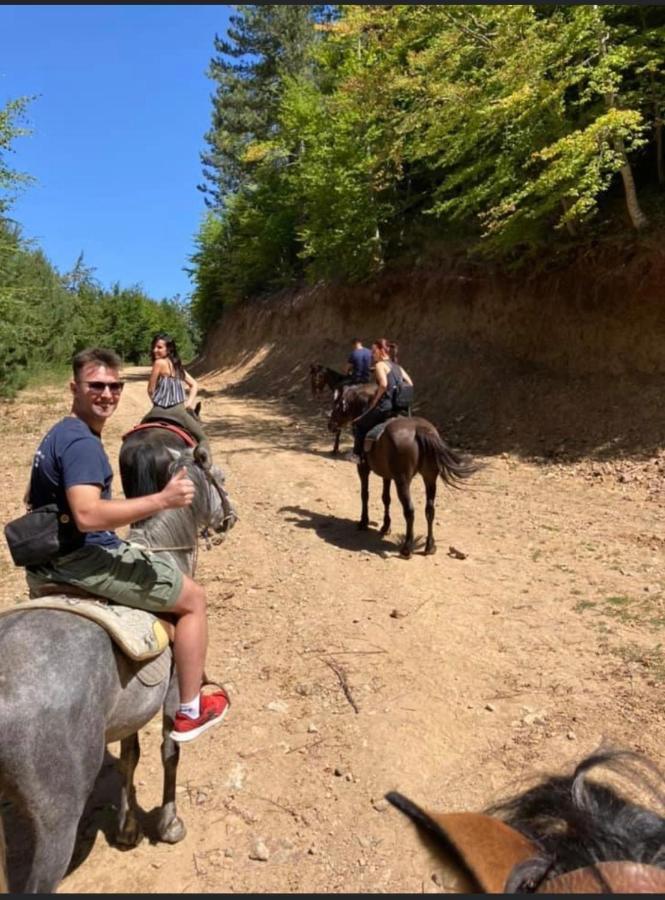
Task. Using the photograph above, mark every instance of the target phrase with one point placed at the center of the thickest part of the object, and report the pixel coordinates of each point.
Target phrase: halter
(211, 478)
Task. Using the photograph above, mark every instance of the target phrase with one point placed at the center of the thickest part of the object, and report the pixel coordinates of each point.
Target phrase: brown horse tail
(453, 468)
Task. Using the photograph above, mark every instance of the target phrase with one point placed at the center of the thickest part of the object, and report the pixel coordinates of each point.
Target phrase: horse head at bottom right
(565, 835)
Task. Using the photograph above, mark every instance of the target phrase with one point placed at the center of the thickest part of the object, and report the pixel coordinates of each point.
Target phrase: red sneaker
(213, 709)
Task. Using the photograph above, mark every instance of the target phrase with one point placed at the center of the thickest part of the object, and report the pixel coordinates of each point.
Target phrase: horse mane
(145, 461)
(148, 459)
(576, 822)
(357, 397)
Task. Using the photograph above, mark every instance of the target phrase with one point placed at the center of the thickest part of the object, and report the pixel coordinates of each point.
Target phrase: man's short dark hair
(98, 355)
(356, 341)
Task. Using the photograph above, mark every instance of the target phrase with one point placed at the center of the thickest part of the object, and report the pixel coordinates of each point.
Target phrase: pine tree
(266, 44)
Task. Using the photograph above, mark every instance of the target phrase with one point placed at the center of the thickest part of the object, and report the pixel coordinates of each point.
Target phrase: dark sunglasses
(98, 386)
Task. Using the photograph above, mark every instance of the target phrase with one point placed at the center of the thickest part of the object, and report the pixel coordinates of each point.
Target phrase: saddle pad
(154, 671)
(139, 633)
(374, 434)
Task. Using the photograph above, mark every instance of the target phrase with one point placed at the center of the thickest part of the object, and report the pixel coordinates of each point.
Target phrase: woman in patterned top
(173, 390)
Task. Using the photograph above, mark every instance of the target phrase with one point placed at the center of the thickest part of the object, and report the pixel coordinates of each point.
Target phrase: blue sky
(118, 129)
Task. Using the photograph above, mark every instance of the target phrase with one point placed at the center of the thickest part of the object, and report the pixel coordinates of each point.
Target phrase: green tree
(266, 43)
(11, 114)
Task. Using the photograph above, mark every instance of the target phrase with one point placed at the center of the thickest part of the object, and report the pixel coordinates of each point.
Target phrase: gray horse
(67, 691)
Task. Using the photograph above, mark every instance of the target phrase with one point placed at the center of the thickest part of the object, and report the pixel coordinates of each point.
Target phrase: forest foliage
(47, 316)
(343, 137)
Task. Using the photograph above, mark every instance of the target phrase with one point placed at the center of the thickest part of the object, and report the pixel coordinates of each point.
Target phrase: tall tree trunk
(659, 146)
(637, 217)
(570, 225)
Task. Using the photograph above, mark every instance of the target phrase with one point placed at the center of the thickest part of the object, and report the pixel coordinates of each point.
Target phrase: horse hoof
(430, 550)
(385, 530)
(363, 526)
(130, 836)
(173, 832)
(405, 553)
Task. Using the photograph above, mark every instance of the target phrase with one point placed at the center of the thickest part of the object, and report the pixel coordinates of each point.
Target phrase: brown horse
(566, 835)
(320, 379)
(407, 446)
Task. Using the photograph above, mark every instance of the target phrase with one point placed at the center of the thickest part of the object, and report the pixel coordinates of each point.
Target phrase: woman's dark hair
(389, 347)
(171, 352)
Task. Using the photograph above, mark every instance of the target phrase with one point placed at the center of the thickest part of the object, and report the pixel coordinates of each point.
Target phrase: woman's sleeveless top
(169, 391)
(393, 378)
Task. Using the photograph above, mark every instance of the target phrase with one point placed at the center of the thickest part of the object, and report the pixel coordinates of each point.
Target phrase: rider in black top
(388, 374)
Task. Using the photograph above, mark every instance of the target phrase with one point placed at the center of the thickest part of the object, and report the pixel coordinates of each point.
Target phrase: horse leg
(170, 826)
(430, 491)
(129, 832)
(49, 803)
(404, 494)
(335, 449)
(54, 837)
(363, 472)
(385, 528)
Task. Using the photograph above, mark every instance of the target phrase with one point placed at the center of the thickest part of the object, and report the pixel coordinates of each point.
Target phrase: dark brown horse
(322, 378)
(566, 835)
(407, 446)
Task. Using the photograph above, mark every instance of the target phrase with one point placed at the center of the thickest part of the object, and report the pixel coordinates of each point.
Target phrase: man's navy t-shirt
(71, 453)
(361, 360)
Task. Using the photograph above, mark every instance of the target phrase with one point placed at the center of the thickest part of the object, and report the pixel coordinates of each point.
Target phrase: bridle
(229, 515)
(620, 877)
(229, 511)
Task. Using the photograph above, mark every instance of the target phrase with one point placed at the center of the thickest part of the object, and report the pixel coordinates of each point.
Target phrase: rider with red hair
(388, 375)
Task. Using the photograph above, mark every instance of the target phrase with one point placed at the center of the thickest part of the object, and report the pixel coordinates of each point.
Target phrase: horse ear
(476, 845)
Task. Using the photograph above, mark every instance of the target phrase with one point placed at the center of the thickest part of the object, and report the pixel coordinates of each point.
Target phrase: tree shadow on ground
(487, 405)
(298, 433)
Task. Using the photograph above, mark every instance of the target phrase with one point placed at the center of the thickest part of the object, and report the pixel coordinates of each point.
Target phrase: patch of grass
(581, 605)
(618, 601)
(56, 375)
(646, 612)
(652, 660)
(536, 554)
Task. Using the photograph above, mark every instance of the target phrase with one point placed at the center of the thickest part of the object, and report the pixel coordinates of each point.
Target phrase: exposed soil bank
(569, 363)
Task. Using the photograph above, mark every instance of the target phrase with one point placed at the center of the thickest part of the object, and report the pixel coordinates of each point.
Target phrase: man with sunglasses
(71, 468)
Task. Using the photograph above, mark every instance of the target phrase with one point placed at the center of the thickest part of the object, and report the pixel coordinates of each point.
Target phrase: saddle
(137, 632)
(168, 426)
(374, 434)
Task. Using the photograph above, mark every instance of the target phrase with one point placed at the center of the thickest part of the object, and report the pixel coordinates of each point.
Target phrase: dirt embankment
(566, 364)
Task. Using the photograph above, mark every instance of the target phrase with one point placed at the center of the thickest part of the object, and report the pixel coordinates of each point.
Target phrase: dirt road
(353, 672)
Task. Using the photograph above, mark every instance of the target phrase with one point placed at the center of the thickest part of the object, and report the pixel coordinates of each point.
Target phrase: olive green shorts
(125, 574)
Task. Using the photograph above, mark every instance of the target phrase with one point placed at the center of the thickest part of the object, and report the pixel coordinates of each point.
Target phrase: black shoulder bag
(36, 537)
(402, 393)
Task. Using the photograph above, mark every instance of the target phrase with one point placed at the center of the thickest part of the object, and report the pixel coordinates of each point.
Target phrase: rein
(229, 513)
